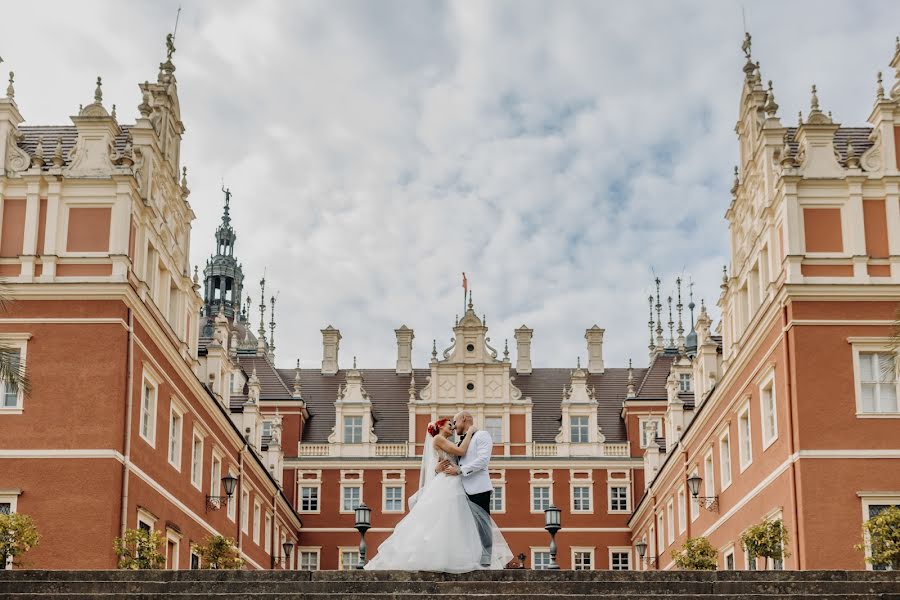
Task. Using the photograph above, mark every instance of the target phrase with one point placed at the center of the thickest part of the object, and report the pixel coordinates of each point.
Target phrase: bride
(440, 533)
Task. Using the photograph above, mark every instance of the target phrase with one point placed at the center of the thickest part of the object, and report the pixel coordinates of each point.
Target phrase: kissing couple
(449, 526)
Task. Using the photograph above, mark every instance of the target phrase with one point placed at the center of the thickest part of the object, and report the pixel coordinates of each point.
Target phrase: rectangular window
(582, 560)
(350, 497)
(540, 559)
(620, 560)
(393, 499)
(618, 498)
(353, 430)
(176, 421)
(729, 559)
(685, 383)
(670, 520)
(579, 429)
(581, 499)
(651, 428)
(195, 559)
(497, 504)
(540, 498)
(709, 481)
(769, 414)
(215, 477)
(245, 511)
(494, 426)
(745, 445)
(148, 413)
(12, 398)
(268, 535)
(257, 515)
(309, 560)
(197, 461)
(661, 531)
(873, 509)
(878, 383)
(309, 499)
(682, 511)
(725, 459)
(349, 560)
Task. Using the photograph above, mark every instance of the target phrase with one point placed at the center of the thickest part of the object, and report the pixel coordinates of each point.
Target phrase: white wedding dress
(440, 533)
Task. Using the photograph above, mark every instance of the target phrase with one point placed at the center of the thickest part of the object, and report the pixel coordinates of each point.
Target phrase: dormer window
(579, 430)
(685, 383)
(353, 430)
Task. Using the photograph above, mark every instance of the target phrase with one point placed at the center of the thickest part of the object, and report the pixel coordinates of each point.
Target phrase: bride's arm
(451, 448)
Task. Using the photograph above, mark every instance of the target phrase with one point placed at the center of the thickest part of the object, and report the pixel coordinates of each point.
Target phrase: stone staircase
(510, 585)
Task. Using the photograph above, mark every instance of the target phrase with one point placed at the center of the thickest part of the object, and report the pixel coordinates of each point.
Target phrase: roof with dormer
(67, 135)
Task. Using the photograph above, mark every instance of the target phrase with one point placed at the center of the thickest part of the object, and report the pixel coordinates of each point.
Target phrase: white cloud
(558, 152)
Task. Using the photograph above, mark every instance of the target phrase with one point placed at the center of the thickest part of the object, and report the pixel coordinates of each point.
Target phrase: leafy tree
(219, 552)
(882, 532)
(766, 539)
(140, 549)
(696, 554)
(12, 371)
(18, 535)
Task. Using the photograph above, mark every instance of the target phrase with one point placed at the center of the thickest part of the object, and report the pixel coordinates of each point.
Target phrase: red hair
(434, 428)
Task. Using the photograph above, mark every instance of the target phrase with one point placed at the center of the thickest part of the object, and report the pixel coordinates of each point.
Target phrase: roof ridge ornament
(57, 153)
(10, 89)
(749, 67)
(879, 91)
(816, 116)
(771, 107)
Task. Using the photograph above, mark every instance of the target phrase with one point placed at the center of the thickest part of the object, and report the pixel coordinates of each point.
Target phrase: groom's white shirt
(473, 465)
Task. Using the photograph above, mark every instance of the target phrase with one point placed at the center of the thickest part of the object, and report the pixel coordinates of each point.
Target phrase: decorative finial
(10, 89)
(272, 326)
(37, 159)
(470, 299)
(737, 181)
(113, 114)
(297, 388)
(879, 91)
(354, 361)
(506, 349)
(678, 308)
(144, 107)
(98, 92)
(787, 160)
(262, 310)
(660, 342)
(671, 323)
(630, 392)
(578, 362)
(724, 278)
(651, 346)
(184, 178)
(691, 304)
(484, 319)
(433, 349)
(456, 321)
(814, 100)
(57, 153)
(771, 106)
(852, 159)
(749, 67)
(196, 275)
(799, 118)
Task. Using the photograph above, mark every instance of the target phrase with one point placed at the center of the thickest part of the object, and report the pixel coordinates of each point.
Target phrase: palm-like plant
(12, 371)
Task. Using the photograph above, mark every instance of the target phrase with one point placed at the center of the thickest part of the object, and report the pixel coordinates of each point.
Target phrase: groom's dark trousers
(483, 500)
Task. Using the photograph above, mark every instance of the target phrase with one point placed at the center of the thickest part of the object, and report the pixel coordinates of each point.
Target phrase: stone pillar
(331, 340)
(594, 337)
(405, 339)
(523, 350)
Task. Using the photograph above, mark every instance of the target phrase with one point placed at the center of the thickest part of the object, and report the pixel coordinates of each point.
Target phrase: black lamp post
(363, 523)
(229, 482)
(287, 548)
(710, 503)
(641, 548)
(552, 525)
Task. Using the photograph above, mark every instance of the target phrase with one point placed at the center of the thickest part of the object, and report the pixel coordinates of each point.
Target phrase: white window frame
(590, 496)
(11, 497)
(345, 486)
(257, 521)
(231, 503)
(868, 499)
(492, 430)
(609, 495)
(865, 345)
(191, 556)
(316, 550)
(583, 427)
(175, 537)
(15, 341)
(267, 535)
(154, 383)
(539, 550)
(147, 517)
(685, 377)
(726, 552)
(245, 510)
(384, 497)
(661, 532)
(344, 420)
(620, 550)
(176, 410)
(682, 510)
(315, 486)
(725, 466)
(768, 402)
(583, 550)
(197, 466)
(544, 486)
(642, 424)
(215, 483)
(709, 473)
(501, 509)
(341, 551)
(670, 520)
(745, 458)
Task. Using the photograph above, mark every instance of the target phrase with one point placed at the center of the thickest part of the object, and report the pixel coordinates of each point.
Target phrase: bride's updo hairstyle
(435, 428)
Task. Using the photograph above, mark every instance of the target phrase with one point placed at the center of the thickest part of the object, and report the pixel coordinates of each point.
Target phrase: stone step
(404, 596)
(352, 586)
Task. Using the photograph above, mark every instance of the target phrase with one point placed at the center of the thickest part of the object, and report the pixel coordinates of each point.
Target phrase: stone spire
(671, 324)
(679, 342)
(223, 275)
(651, 346)
(771, 106)
(261, 341)
(96, 108)
(272, 332)
(660, 341)
(298, 391)
(630, 393)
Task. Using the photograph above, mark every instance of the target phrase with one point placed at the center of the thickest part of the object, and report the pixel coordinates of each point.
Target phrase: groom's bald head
(463, 420)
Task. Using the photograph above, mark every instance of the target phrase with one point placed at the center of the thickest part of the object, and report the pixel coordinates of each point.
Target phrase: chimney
(523, 350)
(594, 337)
(331, 342)
(405, 339)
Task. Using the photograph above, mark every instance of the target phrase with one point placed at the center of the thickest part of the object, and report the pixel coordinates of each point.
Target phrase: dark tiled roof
(653, 386)
(67, 134)
(271, 384)
(858, 135)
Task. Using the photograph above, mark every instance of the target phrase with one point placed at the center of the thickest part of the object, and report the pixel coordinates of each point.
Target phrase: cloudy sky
(560, 153)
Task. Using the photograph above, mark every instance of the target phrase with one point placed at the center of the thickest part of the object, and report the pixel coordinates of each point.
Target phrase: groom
(473, 468)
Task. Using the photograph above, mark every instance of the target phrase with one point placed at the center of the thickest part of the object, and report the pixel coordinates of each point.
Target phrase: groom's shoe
(485, 561)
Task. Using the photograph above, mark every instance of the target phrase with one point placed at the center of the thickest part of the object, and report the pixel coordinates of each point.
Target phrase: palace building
(152, 391)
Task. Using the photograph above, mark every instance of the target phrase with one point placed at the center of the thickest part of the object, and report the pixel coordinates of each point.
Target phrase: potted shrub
(696, 554)
(767, 539)
(882, 534)
(140, 549)
(18, 535)
(219, 552)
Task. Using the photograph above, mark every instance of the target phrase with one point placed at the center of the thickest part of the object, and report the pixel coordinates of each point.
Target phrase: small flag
(465, 282)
